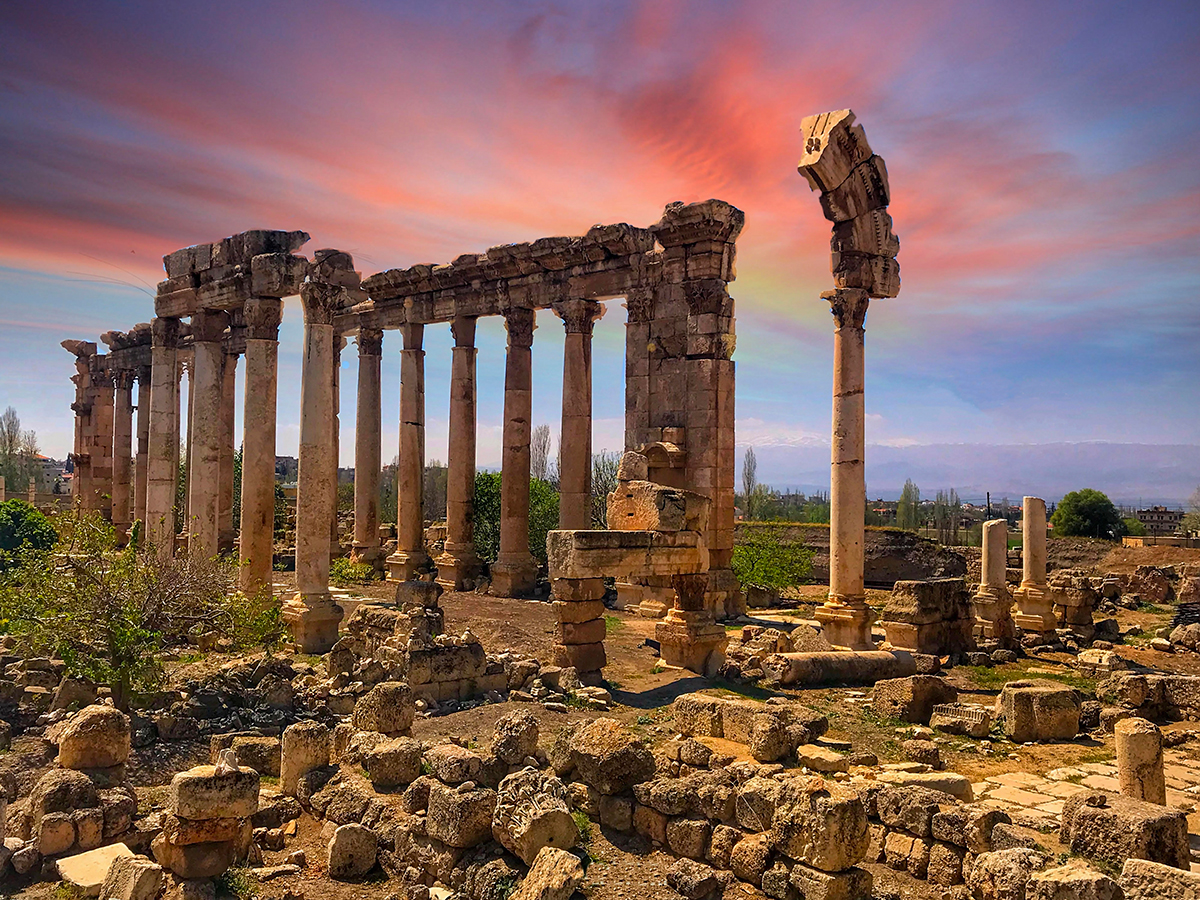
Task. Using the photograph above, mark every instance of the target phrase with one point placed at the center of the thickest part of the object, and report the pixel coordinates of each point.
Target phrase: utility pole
(989, 504)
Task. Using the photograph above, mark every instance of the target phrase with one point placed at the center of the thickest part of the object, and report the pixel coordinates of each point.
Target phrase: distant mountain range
(1131, 474)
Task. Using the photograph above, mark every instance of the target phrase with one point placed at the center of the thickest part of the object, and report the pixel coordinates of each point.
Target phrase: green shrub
(344, 572)
(543, 515)
(764, 559)
(23, 528)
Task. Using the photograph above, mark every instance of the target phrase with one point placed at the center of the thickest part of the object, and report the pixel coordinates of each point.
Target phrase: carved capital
(709, 296)
(165, 332)
(208, 325)
(520, 323)
(322, 302)
(849, 307)
(639, 306)
(370, 341)
(123, 379)
(263, 315)
(579, 315)
(463, 329)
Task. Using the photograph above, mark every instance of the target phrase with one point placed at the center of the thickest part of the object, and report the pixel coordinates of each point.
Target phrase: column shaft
(226, 529)
(1033, 597)
(410, 555)
(575, 440)
(257, 525)
(515, 571)
(162, 465)
(122, 509)
(204, 475)
(367, 451)
(141, 466)
(459, 562)
(845, 617)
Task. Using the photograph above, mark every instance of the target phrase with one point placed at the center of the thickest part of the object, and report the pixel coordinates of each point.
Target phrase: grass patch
(64, 891)
(749, 691)
(237, 883)
(613, 624)
(584, 824)
(994, 678)
(1101, 754)
(186, 658)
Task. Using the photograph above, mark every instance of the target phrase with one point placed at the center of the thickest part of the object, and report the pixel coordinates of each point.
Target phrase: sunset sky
(1044, 162)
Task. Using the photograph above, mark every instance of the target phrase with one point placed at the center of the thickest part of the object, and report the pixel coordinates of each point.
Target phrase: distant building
(1160, 520)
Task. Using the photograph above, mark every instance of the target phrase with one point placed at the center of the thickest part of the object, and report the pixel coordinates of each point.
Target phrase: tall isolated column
(142, 463)
(459, 562)
(311, 615)
(575, 442)
(1033, 597)
(367, 449)
(515, 571)
(845, 617)
(992, 602)
(122, 504)
(204, 477)
(226, 530)
(335, 425)
(410, 555)
(162, 464)
(258, 444)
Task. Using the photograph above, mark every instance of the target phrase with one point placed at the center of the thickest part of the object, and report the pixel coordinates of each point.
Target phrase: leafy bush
(23, 528)
(543, 516)
(764, 559)
(343, 572)
(1134, 527)
(108, 613)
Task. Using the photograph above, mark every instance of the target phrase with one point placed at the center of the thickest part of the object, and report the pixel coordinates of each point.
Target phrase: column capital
(639, 306)
(123, 378)
(707, 296)
(520, 323)
(578, 314)
(463, 329)
(263, 315)
(413, 334)
(208, 325)
(370, 341)
(849, 307)
(322, 302)
(165, 332)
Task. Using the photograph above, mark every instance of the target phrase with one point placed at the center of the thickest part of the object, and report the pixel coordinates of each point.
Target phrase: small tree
(749, 481)
(23, 528)
(908, 510)
(1087, 513)
(543, 516)
(1134, 527)
(763, 558)
(539, 453)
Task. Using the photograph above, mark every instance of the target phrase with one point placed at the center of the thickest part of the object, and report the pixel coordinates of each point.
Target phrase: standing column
(1140, 773)
(258, 445)
(141, 465)
(189, 366)
(575, 442)
(226, 532)
(1033, 597)
(101, 450)
(162, 463)
(335, 537)
(410, 555)
(2, 489)
(458, 562)
(367, 452)
(32, 491)
(515, 571)
(992, 602)
(311, 615)
(122, 509)
(204, 475)
(845, 617)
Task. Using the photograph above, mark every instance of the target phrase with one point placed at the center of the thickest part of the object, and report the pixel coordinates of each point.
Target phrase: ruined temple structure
(853, 183)
(672, 276)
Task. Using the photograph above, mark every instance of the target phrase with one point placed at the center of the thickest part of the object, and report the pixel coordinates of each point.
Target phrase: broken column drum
(992, 601)
(1033, 597)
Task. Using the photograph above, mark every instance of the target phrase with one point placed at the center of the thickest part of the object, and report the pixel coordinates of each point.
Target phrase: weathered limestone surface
(459, 563)
(1140, 760)
(257, 525)
(367, 448)
(930, 617)
(1115, 828)
(1033, 597)
(514, 571)
(1145, 880)
(1039, 711)
(992, 601)
(410, 556)
(204, 465)
(575, 439)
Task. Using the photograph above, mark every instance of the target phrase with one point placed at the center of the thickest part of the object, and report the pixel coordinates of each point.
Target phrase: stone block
(646, 506)
(305, 746)
(911, 809)
(570, 611)
(182, 832)
(750, 857)
(89, 827)
(62, 791)
(865, 189)
(833, 145)
(650, 823)
(55, 834)
(554, 875)
(452, 764)
(1075, 880)
(1114, 828)
(911, 699)
(97, 737)
(824, 828)
(388, 708)
(194, 860)
(202, 793)
(1004, 874)
(691, 879)
(814, 884)
(262, 754)
(590, 632)
(352, 852)
(968, 826)
(531, 813)
(1039, 711)
(616, 813)
(961, 718)
(132, 878)
(957, 786)
(610, 757)
(460, 818)
(1144, 880)
(945, 865)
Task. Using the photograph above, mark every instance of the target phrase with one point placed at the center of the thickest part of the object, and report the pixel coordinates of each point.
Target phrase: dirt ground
(1123, 560)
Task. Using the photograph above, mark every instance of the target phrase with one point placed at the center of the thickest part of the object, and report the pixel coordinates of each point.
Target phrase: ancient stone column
(142, 464)
(1033, 597)
(189, 368)
(204, 474)
(1140, 760)
(992, 602)
(575, 441)
(335, 538)
(367, 452)
(122, 506)
(515, 571)
(845, 617)
(32, 500)
(458, 561)
(257, 539)
(311, 615)
(410, 556)
(226, 530)
(2, 489)
(100, 450)
(162, 465)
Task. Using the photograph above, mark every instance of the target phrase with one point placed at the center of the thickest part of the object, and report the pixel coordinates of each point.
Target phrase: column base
(690, 639)
(993, 615)
(370, 554)
(1035, 603)
(514, 577)
(458, 567)
(405, 565)
(846, 623)
(313, 621)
